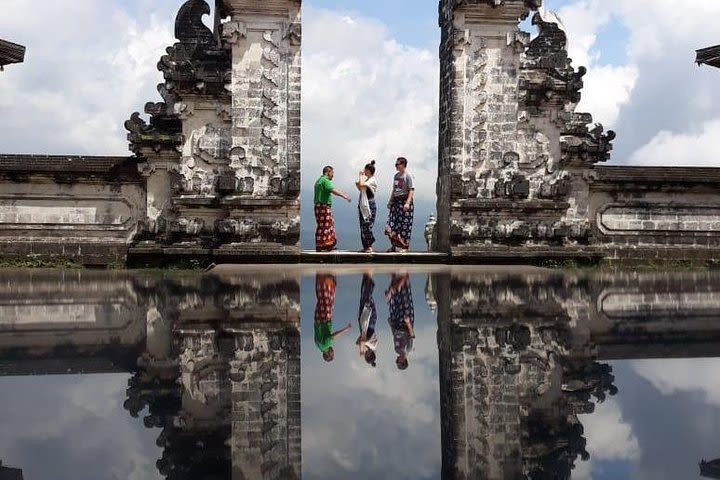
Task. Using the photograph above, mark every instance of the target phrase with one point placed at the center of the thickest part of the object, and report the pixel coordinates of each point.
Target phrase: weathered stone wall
(656, 213)
(513, 154)
(85, 209)
(222, 152)
(222, 368)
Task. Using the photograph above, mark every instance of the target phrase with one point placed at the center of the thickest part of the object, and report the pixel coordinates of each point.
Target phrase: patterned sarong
(367, 237)
(400, 308)
(399, 224)
(325, 285)
(367, 287)
(325, 238)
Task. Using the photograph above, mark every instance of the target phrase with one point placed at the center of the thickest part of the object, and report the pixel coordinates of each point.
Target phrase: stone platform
(345, 257)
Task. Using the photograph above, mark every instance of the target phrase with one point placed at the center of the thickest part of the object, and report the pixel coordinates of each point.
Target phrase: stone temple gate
(215, 170)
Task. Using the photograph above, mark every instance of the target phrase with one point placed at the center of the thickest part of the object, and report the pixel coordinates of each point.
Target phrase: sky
(370, 83)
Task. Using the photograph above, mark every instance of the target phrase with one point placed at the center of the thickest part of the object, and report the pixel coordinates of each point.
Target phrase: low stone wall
(656, 212)
(83, 209)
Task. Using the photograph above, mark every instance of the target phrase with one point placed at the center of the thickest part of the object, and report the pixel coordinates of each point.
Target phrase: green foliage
(116, 265)
(36, 261)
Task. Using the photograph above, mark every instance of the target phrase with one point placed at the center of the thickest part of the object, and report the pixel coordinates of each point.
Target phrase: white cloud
(698, 147)
(674, 376)
(609, 437)
(365, 96)
(655, 90)
(88, 66)
(607, 87)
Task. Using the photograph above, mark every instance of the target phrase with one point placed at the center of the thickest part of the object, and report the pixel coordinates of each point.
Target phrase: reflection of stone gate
(215, 360)
(219, 159)
(521, 358)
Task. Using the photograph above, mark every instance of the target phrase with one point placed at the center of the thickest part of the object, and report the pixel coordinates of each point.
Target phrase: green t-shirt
(323, 336)
(323, 187)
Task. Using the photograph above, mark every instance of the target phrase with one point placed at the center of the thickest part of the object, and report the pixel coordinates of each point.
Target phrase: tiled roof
(709, 56)
(11, 53)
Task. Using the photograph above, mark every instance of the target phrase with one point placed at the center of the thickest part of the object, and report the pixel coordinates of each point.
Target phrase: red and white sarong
(325, 238)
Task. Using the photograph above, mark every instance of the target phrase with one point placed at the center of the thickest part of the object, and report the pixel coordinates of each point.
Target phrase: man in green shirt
(325, 237)
(325, 286)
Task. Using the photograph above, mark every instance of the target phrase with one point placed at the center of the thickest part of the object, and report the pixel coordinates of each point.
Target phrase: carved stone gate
(222, 151)
(514, 157)
(219, 158)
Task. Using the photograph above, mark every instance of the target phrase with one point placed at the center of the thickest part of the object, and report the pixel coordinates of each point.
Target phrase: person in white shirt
(367, 209)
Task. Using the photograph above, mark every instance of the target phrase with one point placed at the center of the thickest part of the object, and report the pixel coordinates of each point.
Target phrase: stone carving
(202, 149)
(512, 150)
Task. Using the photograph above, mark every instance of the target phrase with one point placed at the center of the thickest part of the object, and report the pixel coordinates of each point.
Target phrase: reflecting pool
(359, 372)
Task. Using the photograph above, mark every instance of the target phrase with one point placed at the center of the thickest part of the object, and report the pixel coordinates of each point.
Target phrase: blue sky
(412, 22)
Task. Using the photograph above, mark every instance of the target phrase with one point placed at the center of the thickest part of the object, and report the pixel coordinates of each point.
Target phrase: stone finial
(189, 27)
(430, 232)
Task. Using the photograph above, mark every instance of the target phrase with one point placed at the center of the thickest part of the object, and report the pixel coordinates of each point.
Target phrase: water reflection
(215, 369)
(367, 341)
(401, 317)
(518, 375)
(325, 286)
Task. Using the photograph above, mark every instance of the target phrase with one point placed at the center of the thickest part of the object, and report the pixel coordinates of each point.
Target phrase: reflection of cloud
(354, 416)
(77, 425)
(683, 375)
(608, 436)
(363, 422)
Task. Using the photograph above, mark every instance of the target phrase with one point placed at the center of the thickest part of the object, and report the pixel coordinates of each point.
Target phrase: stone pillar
(229, 132)
(513, 157)
(264, 38)
(157, 172)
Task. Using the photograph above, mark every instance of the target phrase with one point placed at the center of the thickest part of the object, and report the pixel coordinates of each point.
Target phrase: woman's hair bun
(372, 162)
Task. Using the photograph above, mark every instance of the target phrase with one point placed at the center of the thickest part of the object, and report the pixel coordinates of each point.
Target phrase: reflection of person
(367, 319)
(402, 209)
(325, 238)
(325, 285)
(367, 208)
(402, 317)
